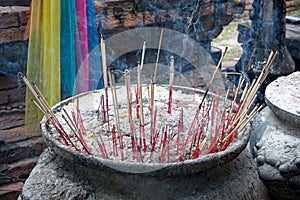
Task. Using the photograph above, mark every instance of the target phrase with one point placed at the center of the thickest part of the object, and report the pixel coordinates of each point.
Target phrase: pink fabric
(82, 80)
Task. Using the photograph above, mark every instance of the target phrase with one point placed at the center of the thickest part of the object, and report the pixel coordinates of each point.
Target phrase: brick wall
(18, 152)
(292, 5)
(13, 50)
(207, 18)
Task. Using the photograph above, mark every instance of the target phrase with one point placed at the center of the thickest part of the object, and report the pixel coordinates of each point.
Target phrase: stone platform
(54, 178)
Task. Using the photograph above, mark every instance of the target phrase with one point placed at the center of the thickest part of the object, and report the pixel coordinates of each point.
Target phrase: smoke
(192, 61)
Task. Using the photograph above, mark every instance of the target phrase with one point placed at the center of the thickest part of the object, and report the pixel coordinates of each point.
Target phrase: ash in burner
(165, 136)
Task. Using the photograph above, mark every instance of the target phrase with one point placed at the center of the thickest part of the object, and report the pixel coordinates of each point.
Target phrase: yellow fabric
(43, 65)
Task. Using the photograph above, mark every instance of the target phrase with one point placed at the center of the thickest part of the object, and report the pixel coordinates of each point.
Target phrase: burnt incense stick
(115, 101)
(105, 81)
(213, 77)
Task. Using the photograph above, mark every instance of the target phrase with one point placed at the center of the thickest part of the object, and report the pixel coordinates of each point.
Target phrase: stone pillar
(268, 34)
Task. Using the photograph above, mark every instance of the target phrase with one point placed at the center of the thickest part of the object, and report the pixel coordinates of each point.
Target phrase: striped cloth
(62, 34)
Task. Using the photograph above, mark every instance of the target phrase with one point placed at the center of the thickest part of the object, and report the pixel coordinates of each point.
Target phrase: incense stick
(129, 103)
(171, 77)
(104, 65)
(140, 97)
(42, 104)
(158, 54)
(213, 77)
(116, 108)
(143, 55)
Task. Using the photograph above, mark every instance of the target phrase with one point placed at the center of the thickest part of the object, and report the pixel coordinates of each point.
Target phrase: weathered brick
(149, 18)
(21, 169)
(230, 9)
(161, 17)
(99, 6)
(117, 8)
(23, 12)
(3, 167)
(3, 98)
(248, 7)
(110, 22)
(17, 95)
(7, 82)
(133, 20)
(13, 58)
(12, 34)
(8, 17)
(15, 2)
(13, 152)
(207, 23)
(13, 135)
(10, 50)
(7, 116)
(11, 191)
(208, 9)
(175, 15)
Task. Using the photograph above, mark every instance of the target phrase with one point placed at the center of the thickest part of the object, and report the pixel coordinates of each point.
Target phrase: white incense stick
(127, 84)
(115, 100)
(139, 71)
(171, 79)
(104, 65)
(143, 55)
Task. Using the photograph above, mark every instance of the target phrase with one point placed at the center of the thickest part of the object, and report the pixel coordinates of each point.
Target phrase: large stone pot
(275, 138)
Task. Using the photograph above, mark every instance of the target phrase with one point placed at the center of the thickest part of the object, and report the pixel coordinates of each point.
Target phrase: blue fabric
(95, 72)
(67, 53)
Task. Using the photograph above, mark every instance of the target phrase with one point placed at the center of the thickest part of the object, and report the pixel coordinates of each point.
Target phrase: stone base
(54, 178)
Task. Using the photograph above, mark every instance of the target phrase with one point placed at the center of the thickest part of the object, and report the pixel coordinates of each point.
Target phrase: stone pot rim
(200, 164)
(281, 111)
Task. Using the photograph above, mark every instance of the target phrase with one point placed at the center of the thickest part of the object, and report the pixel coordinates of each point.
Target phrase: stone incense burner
(213, 176)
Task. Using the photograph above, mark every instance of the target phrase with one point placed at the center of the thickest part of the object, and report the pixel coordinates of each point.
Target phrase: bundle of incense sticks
(225, 124)
(40, 101)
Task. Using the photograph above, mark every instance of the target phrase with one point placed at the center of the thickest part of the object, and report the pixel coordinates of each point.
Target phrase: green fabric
(67, 50)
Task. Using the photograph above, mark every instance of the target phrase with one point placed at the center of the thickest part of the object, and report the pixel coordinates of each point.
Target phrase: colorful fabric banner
(62, 33)
(43, 58)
